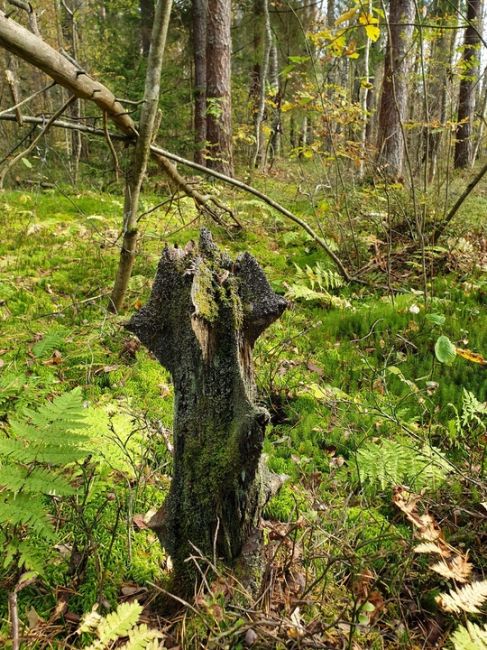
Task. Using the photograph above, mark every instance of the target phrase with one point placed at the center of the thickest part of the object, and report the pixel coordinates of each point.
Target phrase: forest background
(344, 145)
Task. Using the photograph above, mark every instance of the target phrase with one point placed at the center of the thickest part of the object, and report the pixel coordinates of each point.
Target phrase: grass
(333, 379)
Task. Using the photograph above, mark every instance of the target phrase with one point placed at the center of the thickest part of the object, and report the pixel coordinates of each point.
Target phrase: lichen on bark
(203, 317)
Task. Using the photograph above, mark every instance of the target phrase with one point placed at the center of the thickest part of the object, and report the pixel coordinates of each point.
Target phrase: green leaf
(436, 319)
(445, 351)
(27, 163)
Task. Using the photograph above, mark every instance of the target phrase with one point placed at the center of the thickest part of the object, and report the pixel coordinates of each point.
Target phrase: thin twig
(116, 166)
(22, 154)
(27, 99)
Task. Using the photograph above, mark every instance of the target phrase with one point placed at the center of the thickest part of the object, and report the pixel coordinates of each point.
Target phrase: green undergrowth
(350, 389)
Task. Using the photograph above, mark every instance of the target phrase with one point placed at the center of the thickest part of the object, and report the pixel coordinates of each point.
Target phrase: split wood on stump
(203, 317)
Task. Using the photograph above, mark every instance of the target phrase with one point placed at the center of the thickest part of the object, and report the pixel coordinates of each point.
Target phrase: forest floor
(372, 430)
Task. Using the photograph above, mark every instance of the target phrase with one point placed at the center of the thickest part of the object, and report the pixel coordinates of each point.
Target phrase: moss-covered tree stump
(203, 317)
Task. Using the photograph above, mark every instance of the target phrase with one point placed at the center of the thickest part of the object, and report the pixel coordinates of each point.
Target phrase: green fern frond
(52, 340)
(472, 637)
(389, 462)
(25, 510)
(142, 638)
(111, 627)
(35, 481)
(33, 459)
(14, 450)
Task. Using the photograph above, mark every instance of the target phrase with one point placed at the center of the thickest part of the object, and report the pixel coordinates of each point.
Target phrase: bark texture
(200, 8)
(218, 86)
(394, 98)
(466, 97)
(201, 322)
(141, 155)
(31, 48)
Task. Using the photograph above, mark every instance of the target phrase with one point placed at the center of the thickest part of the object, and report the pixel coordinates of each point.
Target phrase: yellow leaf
(373, 32)
(474, 357)
(368, 19)
(346, 16)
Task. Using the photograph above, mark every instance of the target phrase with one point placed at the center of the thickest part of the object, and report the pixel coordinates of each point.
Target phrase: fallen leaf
(55, 360)
(33, 618)
(457, 568)
(313, 367)
(139, 522)
(474, 357)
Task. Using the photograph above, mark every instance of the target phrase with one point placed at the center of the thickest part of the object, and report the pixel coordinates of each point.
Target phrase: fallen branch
(440, 228)
(33, 49)
(159, 153)
(27, 99)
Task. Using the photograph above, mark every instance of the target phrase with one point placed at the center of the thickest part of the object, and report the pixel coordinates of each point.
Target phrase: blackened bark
(199, 55)
(203, 317)
(218, 86)
(394, 98)
(466, 96)
(146, 8)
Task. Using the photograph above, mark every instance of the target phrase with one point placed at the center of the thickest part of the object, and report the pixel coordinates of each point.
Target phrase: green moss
(286, 505)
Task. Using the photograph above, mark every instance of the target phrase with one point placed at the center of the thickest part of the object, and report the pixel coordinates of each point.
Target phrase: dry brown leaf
(430, 547)
(457, 568)
(466, 599)
(428, 529)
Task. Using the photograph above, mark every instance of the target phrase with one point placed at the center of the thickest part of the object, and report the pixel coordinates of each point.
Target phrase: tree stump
(203, 317)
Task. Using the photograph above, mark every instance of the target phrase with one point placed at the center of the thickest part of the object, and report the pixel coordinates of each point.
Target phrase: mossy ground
(324, 374)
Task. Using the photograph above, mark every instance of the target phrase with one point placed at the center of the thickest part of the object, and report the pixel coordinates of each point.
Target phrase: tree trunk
(203, 317)
(278, 95)
(70, 33)
(466, 96)
(218, 86)
(146, 8)
(363, 99)
(440, 65)
(394, 99)
(199, 53)
(141, 154)
(258, 157)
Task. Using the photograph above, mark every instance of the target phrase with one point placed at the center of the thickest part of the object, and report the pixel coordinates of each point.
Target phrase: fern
(389, 462)
(33, 459)
(52, 340)
(467, 599)
(472, 637)
(119, 624)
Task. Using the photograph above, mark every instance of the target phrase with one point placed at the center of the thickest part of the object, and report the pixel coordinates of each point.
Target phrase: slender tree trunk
(438, 77)
(364, 95)
(70, 32)
(202, 320)
(146, 8)
(200, 8)
(466, 96)
(136, 173)
(394, 98)
(483, 116)
(258, 157)
(275, 140)
(218, 86)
